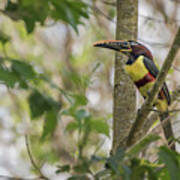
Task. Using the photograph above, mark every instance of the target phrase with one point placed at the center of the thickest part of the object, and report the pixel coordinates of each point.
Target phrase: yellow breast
(137, 70)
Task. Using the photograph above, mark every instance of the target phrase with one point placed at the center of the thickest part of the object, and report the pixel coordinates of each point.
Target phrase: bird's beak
(117, 45)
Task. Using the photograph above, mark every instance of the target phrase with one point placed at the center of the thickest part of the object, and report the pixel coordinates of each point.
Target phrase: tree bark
(124, 90)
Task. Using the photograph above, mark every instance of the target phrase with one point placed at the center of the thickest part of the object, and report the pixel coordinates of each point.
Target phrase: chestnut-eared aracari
(143, 71)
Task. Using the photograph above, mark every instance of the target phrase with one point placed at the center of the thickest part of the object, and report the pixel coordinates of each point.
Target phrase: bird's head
(130, 48)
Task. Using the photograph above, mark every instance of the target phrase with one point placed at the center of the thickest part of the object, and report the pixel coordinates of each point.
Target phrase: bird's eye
(127, 44)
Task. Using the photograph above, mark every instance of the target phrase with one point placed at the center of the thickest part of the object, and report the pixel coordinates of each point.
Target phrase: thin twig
(109, 3)
(97, 10)
(175, 68)
(32, 159)
(99, 146)
(171, 111)
(159, 20)
(160, 45)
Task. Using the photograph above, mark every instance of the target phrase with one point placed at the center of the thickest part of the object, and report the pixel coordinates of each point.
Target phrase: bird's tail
(167, 128)
(162, 106)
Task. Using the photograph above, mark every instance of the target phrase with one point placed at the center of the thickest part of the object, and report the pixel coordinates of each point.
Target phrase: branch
(32, 159)
(144, 112)
(154, 116)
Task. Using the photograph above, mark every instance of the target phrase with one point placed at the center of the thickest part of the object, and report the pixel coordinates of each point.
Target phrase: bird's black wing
(154, 72)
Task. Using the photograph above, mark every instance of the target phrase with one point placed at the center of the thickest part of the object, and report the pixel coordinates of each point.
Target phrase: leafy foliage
(32, 11)
(137, 148)
(171, 161)
(130, 167)
(50, 124)
(8, 77)
(21, 75)
(100, 126)
(17, 73)
(64, 168)
(83, 119)
(23, 69)
(39, 104)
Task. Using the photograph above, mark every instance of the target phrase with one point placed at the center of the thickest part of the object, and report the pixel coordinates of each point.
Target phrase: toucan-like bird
(143, 72)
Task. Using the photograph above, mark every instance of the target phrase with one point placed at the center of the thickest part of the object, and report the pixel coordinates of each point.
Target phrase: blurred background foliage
(56, 89)
(48, 77)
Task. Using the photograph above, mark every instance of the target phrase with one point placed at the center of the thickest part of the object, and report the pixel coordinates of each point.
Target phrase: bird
(143, 71)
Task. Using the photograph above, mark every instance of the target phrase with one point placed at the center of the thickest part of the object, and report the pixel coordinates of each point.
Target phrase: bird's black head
(130, 48)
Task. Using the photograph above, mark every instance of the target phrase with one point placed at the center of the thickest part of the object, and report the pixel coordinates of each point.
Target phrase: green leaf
(162, 173)
(79, 100)
(82, 167)
(169, 158)
(11, 78)
(33, 11)
(8, 77)
(81, 114)
(69, 11)
(72, 126)
(4, 38)
(100, 126)
(50, 123)
(142, 144)
(39, 104)
(64, 168)
(114, 161)
(25, 70)
(139, 170)
(143, 168)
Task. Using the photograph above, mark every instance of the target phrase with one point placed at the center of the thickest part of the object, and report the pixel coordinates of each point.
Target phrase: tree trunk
(124, 90)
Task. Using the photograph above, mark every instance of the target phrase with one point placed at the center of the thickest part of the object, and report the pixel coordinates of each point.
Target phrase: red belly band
(146, 79)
